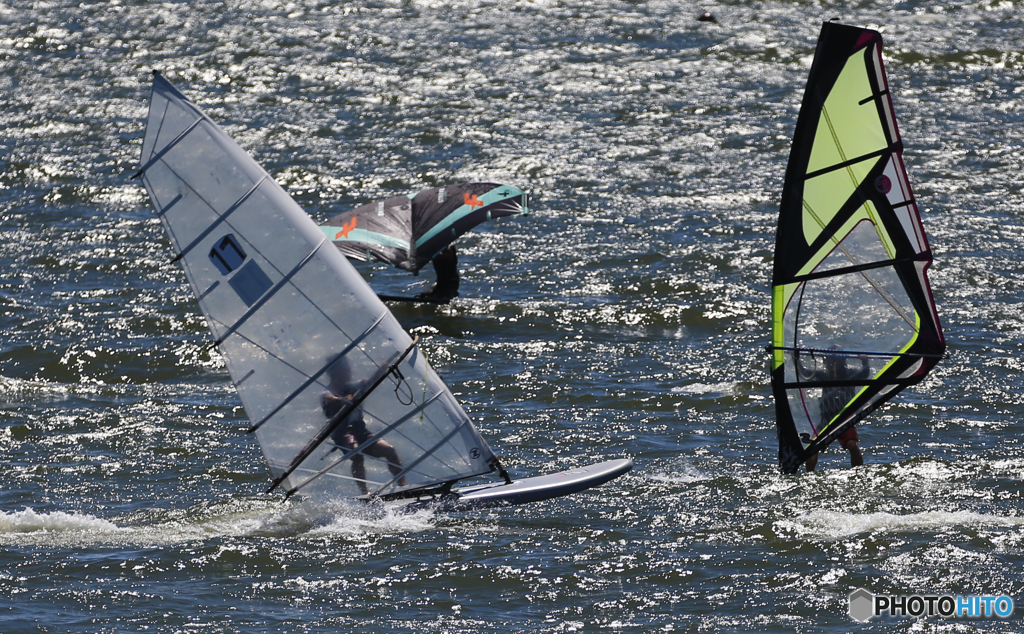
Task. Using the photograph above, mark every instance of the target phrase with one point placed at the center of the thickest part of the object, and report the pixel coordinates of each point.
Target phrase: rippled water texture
(626, 317)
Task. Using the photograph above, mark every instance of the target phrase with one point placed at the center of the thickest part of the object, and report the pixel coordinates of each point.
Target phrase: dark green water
(626, 317)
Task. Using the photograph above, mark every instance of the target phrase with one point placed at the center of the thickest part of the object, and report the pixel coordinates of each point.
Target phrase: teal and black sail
(408, 232)
(339, 396)
(853, 319)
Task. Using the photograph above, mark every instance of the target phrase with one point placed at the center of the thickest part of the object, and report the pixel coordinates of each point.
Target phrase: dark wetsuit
(352, 431)
(833, 399)
(446, 264)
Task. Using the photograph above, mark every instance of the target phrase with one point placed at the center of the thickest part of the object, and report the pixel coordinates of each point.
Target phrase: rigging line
(877, 380)
(269, 294)
(223, 217)
(358, 450)
(339, 418)
(853, 352)
(398, 476)
(167, 148)
(313, 378)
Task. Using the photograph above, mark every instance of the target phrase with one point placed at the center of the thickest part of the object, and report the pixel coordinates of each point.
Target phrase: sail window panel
(803, 406)
(848, 127)
(861, 245)
(868, 311)
(806, 408)
(825, 194)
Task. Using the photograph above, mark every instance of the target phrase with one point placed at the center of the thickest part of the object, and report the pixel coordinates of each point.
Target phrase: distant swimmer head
(707, 16)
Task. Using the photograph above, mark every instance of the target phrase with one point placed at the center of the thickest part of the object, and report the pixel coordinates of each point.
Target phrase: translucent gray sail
(315, 356)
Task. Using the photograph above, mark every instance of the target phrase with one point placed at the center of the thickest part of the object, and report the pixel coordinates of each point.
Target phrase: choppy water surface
(627, 317)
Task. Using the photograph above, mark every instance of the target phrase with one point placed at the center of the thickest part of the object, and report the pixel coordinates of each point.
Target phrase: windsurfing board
(528, 489)
(414, 299)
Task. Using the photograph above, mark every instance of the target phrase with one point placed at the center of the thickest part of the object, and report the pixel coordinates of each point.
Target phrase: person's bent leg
(384, 450)
(359, 472)
(856, 455)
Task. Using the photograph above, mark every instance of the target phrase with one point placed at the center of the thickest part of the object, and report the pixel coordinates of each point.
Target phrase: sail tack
(853, 318)
(338, 395)
(408, 232)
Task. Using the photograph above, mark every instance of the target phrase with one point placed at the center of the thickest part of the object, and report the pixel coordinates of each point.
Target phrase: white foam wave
(821, 524)
(727, 388)
(239, 519)
(29, 521)
(682, 474)
(362, 520)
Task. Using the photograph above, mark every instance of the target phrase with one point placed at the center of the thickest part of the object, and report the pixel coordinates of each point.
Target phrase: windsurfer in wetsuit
(833, 399)
(352, 432)
(446, 265)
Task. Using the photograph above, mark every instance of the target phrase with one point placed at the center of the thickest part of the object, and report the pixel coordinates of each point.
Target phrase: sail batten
(851, 256)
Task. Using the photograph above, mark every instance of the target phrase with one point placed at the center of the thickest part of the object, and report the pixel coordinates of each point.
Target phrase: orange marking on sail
(346, 228)
(472, 201)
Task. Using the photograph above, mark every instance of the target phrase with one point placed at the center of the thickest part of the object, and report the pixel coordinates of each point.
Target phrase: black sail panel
(408, 233)
(377, 231)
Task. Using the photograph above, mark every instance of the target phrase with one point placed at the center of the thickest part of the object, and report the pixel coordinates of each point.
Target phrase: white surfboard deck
(529, 489)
